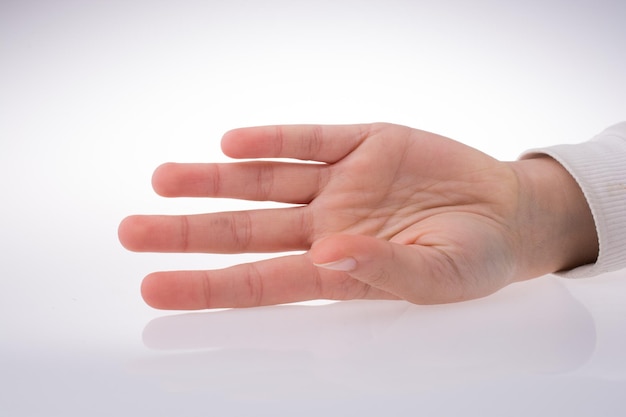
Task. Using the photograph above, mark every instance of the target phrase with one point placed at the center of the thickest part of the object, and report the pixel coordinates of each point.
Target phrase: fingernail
(345, 265)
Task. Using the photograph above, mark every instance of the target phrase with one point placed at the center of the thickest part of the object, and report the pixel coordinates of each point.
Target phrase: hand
(388, 212)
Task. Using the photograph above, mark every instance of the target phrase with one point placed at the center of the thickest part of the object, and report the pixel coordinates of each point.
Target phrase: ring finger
(296, 183)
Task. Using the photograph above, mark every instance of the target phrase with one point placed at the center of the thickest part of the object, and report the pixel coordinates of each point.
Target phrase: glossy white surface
(94, 95)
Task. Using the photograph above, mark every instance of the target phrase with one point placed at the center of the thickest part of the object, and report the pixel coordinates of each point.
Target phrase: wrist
(556, 225)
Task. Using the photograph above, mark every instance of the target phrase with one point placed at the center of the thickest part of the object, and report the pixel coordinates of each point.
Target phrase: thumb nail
(345, 265)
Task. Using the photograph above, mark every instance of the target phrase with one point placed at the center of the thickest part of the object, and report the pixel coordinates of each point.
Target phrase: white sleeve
(599, 167)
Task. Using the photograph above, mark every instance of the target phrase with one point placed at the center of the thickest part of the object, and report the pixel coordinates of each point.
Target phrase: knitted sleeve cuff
(599, 167)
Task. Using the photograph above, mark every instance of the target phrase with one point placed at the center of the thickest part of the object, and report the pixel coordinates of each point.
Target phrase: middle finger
(269, 230)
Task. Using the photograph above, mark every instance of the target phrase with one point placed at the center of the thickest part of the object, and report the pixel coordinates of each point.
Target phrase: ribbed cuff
(599, 167)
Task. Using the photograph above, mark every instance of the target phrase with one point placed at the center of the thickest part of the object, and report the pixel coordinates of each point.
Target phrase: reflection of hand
(391, 212)
(539, 327)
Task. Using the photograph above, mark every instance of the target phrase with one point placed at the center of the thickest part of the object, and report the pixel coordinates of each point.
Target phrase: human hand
(388, 212)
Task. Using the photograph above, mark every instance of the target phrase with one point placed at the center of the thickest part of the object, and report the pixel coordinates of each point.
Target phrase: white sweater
(599, 167)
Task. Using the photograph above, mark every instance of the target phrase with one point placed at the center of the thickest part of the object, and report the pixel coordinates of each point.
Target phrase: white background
(95, 94)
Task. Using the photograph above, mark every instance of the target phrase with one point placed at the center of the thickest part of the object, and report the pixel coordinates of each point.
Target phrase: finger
(305, 142)
(419, 274)
(258, 181)
(272, 230)
(274, 281)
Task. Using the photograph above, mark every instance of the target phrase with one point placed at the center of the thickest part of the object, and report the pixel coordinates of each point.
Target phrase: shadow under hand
(371, 346)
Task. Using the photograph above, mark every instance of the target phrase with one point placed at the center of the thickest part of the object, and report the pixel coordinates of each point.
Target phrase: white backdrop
(95, 94)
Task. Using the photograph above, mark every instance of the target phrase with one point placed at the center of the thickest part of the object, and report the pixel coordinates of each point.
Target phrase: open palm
(386, 212)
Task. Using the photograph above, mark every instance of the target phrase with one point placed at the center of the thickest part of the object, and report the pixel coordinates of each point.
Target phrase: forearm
(556, 227)
(598, 168)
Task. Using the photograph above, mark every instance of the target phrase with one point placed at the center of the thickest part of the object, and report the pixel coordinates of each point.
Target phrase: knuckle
(241, 230)
(207, 289)
(215, 180)
(315, 142)
(184, 233)
(265, 182)
(279, 142)
(253, 284)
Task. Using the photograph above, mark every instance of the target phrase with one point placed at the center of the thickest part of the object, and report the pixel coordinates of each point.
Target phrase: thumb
(419, 274)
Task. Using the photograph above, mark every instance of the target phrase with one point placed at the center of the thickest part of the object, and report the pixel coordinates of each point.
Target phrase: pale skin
(387, 212)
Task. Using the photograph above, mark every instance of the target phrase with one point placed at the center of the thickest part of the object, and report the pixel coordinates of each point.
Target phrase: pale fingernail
(345, 265)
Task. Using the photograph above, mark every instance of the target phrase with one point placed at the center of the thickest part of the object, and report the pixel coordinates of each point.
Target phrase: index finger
(304, 142)
(272, 281)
